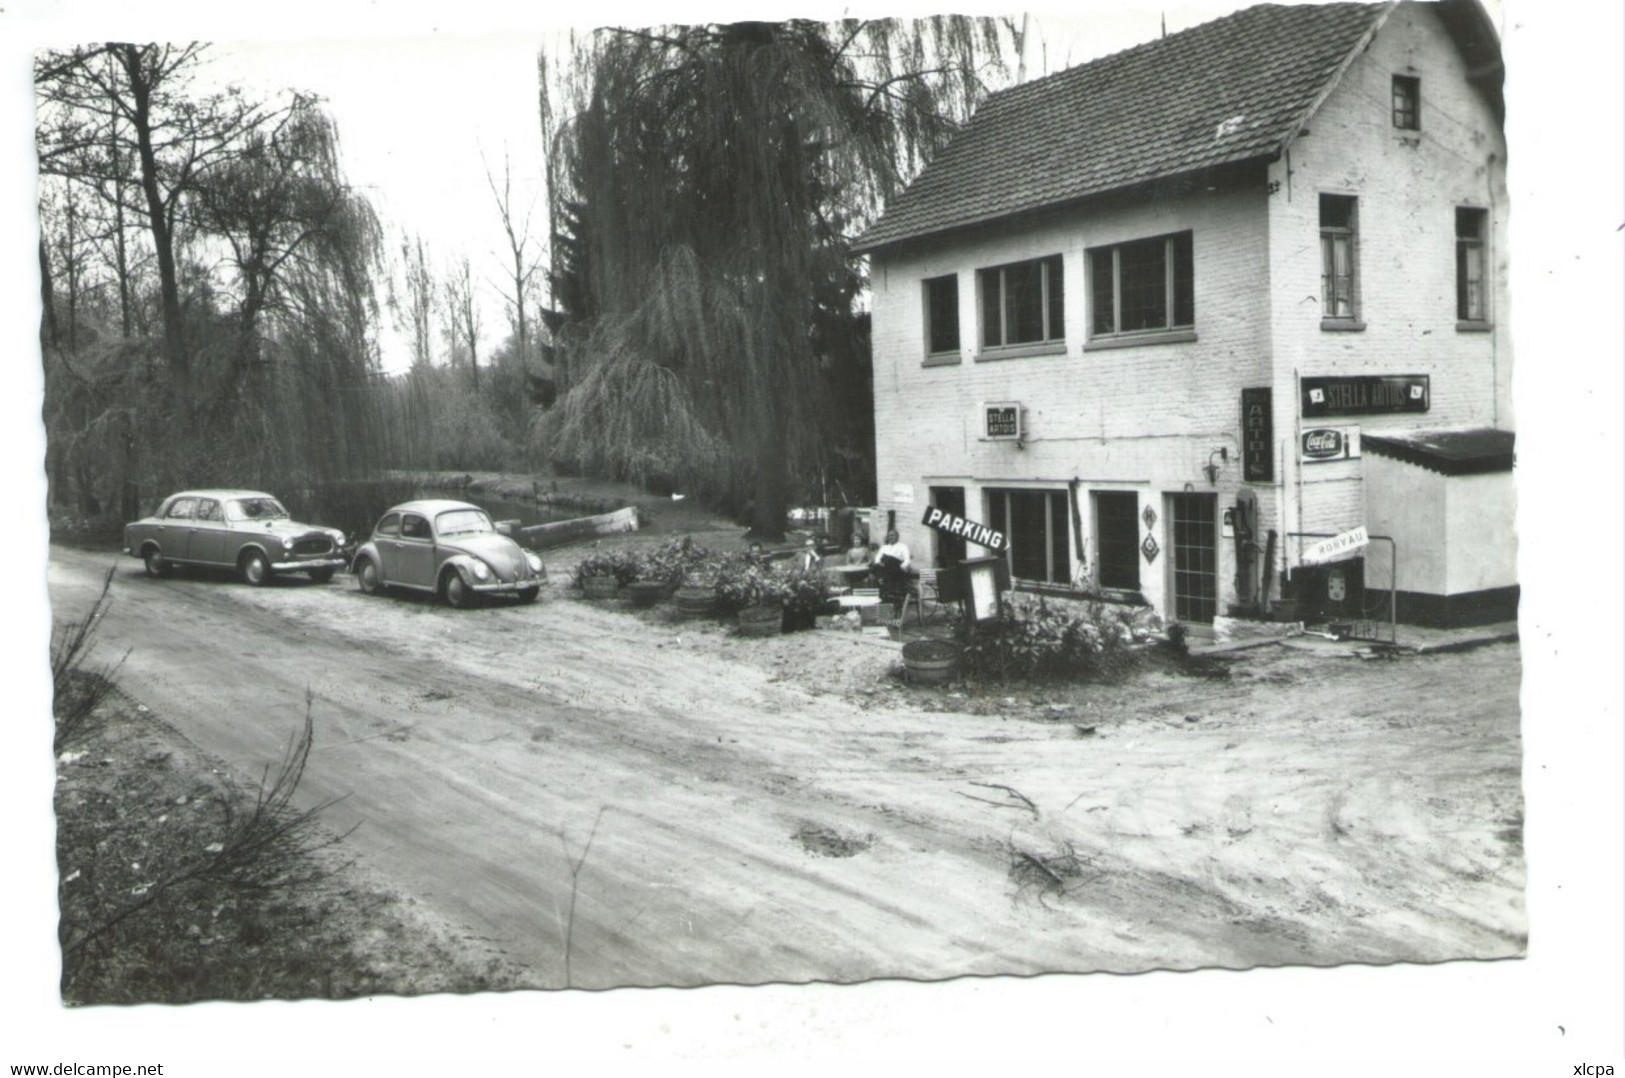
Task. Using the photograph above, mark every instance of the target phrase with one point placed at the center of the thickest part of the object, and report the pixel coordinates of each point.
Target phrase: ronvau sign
(1335, 547)
(969, 530)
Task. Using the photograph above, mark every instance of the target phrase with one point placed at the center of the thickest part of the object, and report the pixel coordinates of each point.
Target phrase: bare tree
(462, 314)
(418, 316)
(524, 262)
(107, 111)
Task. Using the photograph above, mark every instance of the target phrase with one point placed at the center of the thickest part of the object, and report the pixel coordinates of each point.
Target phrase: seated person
(809, 559)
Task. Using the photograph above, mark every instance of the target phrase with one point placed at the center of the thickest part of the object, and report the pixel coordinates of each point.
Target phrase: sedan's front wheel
(256, 569)
(154, 563)
(366, 576)
(458, 593)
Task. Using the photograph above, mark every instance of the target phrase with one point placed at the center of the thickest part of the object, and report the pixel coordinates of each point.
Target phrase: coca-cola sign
(1330, 443)
(1322, 444)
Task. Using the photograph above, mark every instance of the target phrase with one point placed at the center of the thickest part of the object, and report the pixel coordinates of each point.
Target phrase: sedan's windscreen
(462, 522)
(255, 509)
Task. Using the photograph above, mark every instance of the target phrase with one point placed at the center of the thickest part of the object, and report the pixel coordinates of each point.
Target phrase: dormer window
(1407, 103)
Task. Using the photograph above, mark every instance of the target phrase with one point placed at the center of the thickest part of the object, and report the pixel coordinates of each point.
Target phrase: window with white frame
(1142, 286)
(1036, 523)
(942, 315)
(1022, 303)
(1470, 298)
(1338, 282)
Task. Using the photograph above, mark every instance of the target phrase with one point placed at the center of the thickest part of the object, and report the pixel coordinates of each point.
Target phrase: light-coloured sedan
(245, 530)
(449, 548)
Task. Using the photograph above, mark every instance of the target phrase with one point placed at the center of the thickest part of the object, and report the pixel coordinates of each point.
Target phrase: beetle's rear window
(463, 521)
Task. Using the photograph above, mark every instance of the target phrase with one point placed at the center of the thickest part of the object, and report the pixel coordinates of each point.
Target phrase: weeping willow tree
(706, 186)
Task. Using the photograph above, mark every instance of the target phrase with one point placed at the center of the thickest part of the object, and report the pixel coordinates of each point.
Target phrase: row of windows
(1339, 261)
(1040, 532)
(1149, 286)
(1137, 287)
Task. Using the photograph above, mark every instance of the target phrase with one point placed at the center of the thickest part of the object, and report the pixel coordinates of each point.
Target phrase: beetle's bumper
(508, 587)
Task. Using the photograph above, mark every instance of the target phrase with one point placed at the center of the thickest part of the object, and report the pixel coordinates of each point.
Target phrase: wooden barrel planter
(930, 662)
(695, 602)
(761, 620)
(645, 593)
(600, 587)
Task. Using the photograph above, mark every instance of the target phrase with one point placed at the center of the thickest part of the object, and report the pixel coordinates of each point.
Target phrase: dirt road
(744, 829)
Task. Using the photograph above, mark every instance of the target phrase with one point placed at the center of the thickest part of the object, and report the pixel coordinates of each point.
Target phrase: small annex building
(1173, 319)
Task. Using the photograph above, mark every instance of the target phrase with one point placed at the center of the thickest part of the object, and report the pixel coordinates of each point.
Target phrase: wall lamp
(1211, 469)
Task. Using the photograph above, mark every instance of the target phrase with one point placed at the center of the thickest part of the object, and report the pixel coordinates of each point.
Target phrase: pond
(355, 506)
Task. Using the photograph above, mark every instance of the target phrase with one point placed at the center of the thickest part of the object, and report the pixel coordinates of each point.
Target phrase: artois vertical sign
(1257, 436)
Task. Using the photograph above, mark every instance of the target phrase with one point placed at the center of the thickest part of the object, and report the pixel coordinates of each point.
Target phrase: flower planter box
(930, 662)
(600, 587)
(695, 602)
(761, 620)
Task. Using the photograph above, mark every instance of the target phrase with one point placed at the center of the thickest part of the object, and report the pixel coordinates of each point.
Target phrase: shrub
(742, 582)
(808, 591)
(78, 688)
(672, 561)
(1039, 641)
(620, 564)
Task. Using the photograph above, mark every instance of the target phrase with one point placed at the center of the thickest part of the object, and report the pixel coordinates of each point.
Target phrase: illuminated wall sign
(953, 524)
(1001, 420)
(1257, 436)
(1384, 394)
(1321, 444)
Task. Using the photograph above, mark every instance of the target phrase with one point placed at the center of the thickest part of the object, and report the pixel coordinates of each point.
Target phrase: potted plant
(930, 662)
(808, 592)
(601, 575)
(754, 593)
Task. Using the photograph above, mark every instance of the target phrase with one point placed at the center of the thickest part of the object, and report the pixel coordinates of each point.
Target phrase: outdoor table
(852, 574)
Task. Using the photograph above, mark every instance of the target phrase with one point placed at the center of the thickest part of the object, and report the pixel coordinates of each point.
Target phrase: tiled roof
(1449, 452)
(1229, 90)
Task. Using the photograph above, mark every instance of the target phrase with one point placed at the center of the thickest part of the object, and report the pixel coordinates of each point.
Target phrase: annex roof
(1448, 452)
(1235, 89)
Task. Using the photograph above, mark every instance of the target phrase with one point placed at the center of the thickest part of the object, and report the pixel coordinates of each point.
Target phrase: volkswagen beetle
(450, 549)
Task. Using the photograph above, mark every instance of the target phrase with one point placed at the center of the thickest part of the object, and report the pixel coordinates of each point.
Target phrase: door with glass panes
(1194, 558)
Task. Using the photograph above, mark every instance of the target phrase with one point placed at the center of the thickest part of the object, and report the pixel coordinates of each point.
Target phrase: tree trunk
(772, 498)
(162, 237)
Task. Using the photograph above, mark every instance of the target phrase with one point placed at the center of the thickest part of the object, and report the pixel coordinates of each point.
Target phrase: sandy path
(1316, 811)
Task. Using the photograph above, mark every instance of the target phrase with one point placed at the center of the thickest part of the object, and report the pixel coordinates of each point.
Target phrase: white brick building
(1258, 263)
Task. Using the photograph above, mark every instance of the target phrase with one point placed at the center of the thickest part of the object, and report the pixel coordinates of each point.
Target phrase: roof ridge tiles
(1119, 120)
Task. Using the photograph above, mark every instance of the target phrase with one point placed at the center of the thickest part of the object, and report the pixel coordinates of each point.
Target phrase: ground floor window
(1036, 523)
(1117, 539)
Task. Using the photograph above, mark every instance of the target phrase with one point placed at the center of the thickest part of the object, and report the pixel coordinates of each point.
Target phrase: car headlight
(535, 562)
(482, 571)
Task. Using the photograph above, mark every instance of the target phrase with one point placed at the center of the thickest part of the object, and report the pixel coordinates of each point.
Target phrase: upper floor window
(942, 315)
(1470, 299)
(1022, 303)
(1407, 102)
(1338, 219)
(1142, 286)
